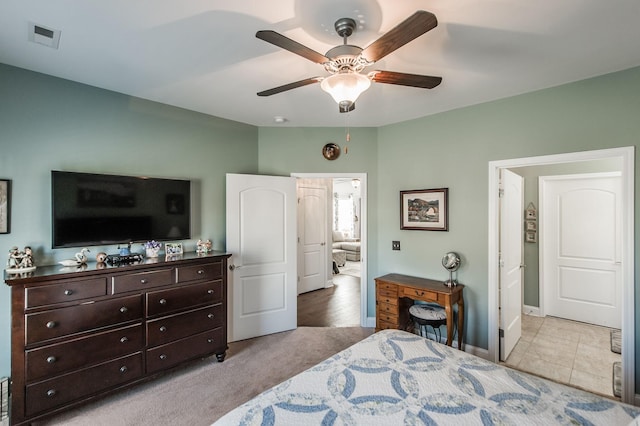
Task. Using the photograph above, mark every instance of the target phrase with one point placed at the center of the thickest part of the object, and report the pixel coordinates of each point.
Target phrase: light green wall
(48, 123)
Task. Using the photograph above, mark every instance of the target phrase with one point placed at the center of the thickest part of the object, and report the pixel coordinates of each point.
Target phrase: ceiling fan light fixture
(345, 88)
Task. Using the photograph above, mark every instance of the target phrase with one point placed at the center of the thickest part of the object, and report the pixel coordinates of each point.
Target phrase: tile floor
(566, 351)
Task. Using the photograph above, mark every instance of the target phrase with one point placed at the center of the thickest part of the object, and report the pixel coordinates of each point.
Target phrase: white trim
(364, 320)
(534, 311)
(626, 154)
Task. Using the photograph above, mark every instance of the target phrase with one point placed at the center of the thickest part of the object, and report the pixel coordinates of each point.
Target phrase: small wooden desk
(395, 293)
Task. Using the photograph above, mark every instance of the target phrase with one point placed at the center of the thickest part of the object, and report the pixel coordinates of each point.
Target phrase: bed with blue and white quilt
(398, 378)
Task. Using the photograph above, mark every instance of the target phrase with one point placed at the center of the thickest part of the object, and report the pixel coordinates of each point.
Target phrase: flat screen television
(96, 209)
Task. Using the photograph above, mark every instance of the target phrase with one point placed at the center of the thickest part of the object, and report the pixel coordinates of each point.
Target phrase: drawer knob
(210, 316)
(143, 281)
(51, 359)
(51, 324)
(200, 271)
(124, 339)
(123, 309)
(209, 340)
(123, 369)
(163, 329)
(210, 291)
(68, 292)
(163, 301)
(51, 392)
(163, 357)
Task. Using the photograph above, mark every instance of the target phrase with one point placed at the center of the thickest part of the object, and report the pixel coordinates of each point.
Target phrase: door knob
(233, 267)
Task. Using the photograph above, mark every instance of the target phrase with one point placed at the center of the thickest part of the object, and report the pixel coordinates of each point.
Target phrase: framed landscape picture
(424, 209)
(5, 205)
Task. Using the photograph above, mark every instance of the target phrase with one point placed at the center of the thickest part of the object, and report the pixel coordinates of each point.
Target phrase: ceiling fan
(346, 62)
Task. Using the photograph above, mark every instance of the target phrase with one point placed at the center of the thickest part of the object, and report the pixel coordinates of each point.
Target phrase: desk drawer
(66, 291)
(387, 317)
(392, 288)
(142, 280)
(384, 325)
(425, 295)
(392, 299)
(388, 308)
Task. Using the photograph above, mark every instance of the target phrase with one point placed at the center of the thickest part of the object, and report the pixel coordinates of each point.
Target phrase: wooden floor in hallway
(336, 306)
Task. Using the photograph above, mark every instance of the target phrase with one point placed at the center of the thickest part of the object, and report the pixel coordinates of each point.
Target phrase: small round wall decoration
(331, 151)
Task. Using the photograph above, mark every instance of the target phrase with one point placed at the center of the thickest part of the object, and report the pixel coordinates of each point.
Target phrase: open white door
(511, 219)
(582, 250)
(312, 237)
(261, 237)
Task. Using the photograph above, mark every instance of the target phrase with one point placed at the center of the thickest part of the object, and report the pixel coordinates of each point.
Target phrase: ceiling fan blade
(290, 86)
(402, 79)
(412, 27)
(292, 46)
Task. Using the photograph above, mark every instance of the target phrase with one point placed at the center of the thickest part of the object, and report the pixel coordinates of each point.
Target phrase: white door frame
(627, 156)
(363, 231)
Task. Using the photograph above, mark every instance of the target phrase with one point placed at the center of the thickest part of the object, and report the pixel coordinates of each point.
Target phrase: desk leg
(449, 311)
(460, 320)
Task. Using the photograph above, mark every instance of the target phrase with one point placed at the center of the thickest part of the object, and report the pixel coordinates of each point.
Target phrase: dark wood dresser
(81, 333)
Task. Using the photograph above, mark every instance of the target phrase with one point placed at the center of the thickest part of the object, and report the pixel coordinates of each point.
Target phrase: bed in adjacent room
(395, 377)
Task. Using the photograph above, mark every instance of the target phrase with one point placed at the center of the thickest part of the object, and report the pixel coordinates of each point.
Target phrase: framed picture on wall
(5, 206)
(424, 209)
(530, 225)
(530, 237)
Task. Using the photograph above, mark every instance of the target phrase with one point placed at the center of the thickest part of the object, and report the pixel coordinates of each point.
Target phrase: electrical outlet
(395, 245)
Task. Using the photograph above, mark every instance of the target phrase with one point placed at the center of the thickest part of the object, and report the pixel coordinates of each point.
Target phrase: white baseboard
(370, 322)
(531, 310)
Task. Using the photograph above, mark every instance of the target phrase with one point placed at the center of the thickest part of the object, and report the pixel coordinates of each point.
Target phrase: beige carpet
(204, 391)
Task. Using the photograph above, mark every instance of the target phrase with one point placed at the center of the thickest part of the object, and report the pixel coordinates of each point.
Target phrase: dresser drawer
(388, 308)
(52, 360)
(209, 271)
(141, 280)
(382, 285)
(184, 297)
(63, 389)
(74, 319)
(384, 297)
(65, 291)
(174, 327)
(174, 353)
(419, 294)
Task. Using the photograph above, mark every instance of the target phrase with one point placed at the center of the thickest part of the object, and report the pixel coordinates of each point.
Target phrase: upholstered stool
(339, 256)
(432, 315)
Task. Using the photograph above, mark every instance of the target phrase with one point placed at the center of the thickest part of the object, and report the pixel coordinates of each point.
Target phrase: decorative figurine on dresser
(78, 334)
(20, 262)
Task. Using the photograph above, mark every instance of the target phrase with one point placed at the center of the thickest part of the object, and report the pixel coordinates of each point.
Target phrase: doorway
(362, 228)
(625, 157)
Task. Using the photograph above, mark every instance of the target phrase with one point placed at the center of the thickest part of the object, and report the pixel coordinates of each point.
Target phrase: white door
(581, 244)
(312, 238)
(261, 237)
(511, 220)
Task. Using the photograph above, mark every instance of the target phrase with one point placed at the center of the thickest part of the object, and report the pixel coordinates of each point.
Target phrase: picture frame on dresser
(5, 206)
(425, 209)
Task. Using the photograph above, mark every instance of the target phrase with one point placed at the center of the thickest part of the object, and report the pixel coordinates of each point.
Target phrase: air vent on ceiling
(43, 35)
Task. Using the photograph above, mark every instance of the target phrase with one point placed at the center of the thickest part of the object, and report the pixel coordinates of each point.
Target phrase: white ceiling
(202, 55)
